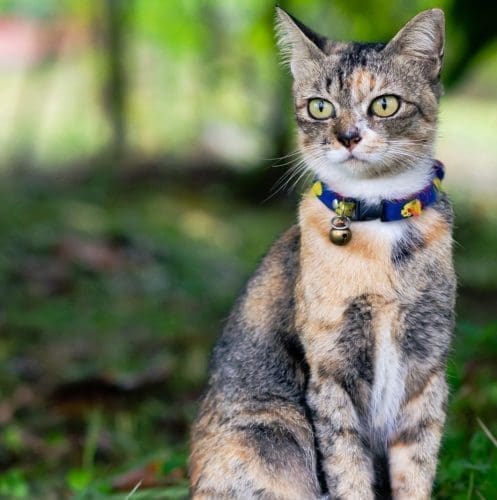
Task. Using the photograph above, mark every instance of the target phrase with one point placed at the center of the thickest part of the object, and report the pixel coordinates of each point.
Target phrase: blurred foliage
(116, 271)
(196, 78)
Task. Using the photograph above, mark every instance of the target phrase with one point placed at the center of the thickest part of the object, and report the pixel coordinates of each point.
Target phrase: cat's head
(365, 110)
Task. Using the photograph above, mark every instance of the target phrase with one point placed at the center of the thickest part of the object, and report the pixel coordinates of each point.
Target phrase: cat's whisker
(276, 158)
(286, 178)
(292, 157)
(291, 180)
(285, 160)
(304, 173)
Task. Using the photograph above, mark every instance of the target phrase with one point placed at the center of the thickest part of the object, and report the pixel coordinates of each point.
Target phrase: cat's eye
(385, 105)
(320, 109)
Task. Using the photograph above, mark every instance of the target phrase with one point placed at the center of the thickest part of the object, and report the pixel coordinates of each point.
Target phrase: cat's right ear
(297, 42)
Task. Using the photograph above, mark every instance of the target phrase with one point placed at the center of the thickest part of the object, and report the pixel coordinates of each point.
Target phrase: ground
(113, 293)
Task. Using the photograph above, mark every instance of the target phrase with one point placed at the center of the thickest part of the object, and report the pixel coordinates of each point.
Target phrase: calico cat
(328, 380)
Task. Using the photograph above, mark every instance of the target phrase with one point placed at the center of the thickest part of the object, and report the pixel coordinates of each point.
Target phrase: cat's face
(366, 110)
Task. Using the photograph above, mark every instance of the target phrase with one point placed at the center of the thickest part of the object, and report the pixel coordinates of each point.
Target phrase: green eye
(385, 105)
(320, 109)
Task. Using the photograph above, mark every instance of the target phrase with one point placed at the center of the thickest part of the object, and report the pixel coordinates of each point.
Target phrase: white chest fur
(389, 379)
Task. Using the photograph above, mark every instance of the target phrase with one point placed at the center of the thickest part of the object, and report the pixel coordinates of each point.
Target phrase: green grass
(131, 286)
(121, 291)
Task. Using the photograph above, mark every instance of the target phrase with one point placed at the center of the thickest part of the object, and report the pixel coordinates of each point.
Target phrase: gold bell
(340, 234)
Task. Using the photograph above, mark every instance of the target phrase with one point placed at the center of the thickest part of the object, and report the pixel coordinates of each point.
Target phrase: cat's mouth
(354, 158)
(351, 160)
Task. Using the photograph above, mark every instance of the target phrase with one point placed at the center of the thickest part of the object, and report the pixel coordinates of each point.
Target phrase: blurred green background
(141, 182)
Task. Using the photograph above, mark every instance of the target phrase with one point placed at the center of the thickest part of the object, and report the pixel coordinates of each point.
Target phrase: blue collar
(385, 210)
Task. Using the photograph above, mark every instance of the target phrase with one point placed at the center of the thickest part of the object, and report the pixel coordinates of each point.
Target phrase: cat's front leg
(414, 447)
(346, 462)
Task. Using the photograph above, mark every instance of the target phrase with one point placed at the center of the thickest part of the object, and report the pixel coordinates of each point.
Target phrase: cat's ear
(422, 38)
(297, 42)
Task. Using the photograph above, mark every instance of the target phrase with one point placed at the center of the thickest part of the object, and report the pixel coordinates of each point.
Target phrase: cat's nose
(350, 137)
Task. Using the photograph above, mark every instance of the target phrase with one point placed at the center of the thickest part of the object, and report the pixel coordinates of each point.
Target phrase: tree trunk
(116, 15)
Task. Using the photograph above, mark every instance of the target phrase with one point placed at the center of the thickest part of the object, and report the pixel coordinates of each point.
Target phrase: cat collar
(353, 209)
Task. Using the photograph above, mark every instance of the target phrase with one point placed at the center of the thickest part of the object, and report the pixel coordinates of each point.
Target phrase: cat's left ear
(423, 39)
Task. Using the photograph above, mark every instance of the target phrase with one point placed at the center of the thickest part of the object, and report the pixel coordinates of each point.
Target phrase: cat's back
(259, 348)
(255, 397)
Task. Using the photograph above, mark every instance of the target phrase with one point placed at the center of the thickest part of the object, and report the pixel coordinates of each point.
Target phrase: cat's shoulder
(285, 249)
(278, 269)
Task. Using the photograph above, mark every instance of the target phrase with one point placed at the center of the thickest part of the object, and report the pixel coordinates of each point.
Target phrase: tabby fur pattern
(328, 380)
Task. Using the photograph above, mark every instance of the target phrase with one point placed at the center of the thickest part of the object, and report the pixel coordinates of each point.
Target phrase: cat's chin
(360, 164)
(354, 166)
(359, 168)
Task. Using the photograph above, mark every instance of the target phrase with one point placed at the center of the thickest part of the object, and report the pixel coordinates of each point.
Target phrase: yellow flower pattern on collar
(412, 208)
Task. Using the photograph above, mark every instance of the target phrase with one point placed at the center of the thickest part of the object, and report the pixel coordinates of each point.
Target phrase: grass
(112, 297)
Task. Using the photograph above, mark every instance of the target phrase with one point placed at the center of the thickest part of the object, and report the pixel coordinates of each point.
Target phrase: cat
(328, 380)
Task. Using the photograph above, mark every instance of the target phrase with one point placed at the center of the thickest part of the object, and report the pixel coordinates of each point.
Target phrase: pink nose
(349, 138)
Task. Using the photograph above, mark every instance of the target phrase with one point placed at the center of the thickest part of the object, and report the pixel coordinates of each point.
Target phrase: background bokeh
(144, 172)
